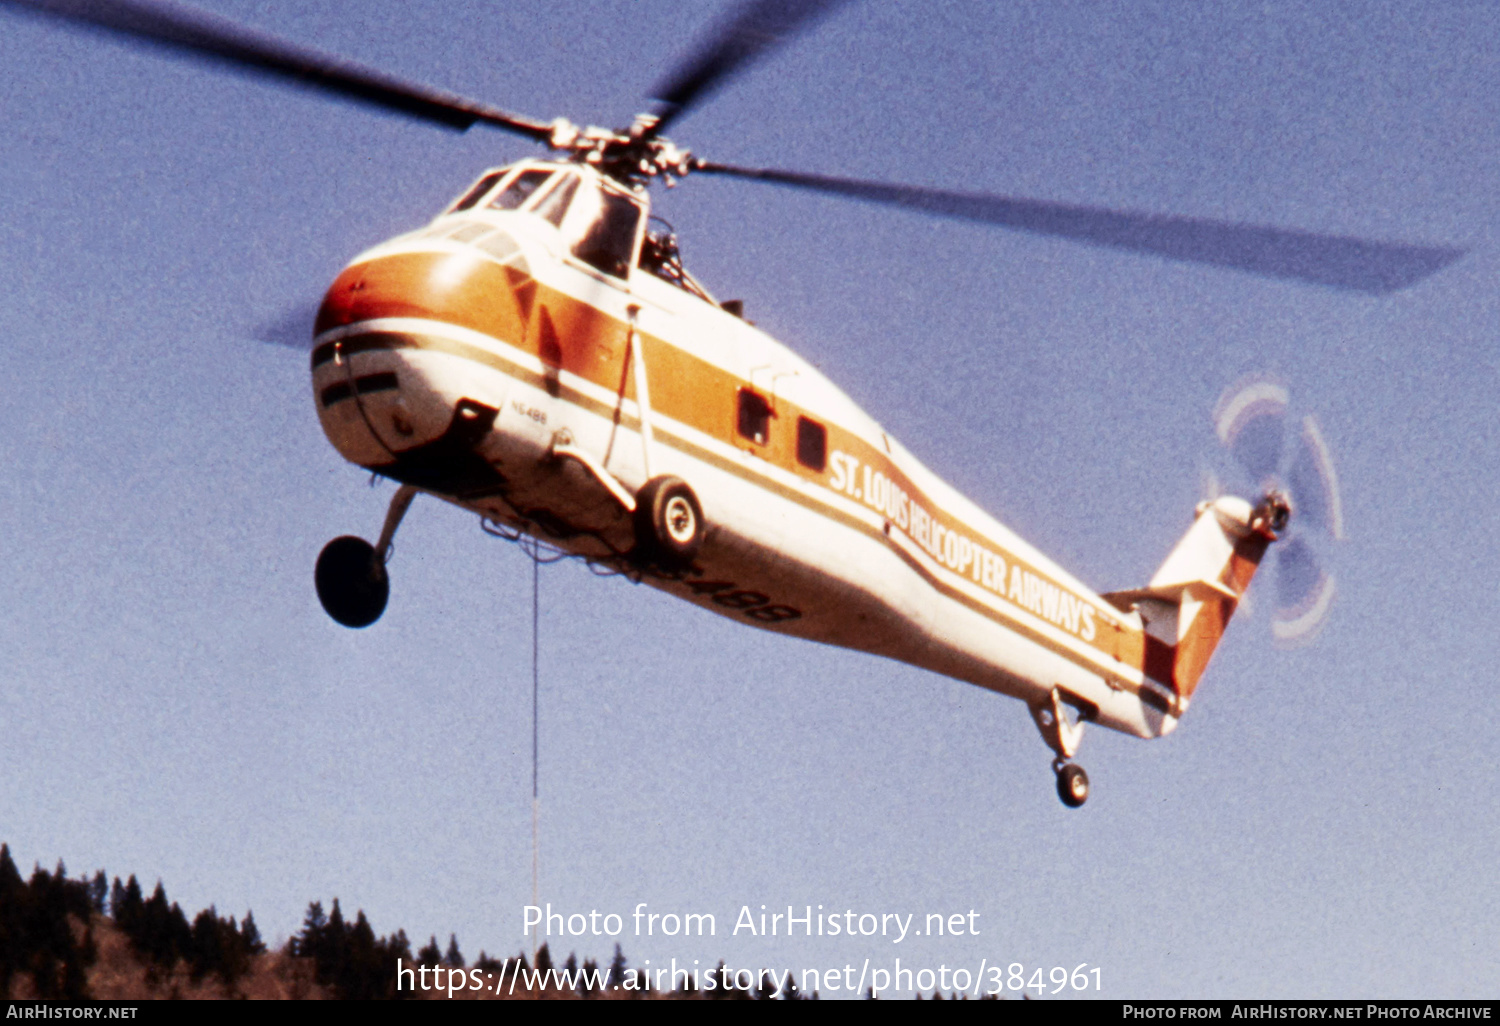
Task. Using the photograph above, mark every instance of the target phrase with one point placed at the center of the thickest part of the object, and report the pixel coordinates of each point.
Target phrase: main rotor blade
(757, 27)
(1340, 261)
(201, 34)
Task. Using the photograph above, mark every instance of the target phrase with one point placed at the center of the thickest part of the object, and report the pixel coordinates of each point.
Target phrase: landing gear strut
(351, 578)
(1062, 736)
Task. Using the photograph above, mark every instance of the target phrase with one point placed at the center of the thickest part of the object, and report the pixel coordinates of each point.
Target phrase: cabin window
(812, 444)
(474, 195)
(755, 417)
(555, 206)
(520, 190)
(608, 242)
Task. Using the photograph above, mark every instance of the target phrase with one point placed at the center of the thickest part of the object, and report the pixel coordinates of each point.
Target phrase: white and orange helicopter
(539, 355)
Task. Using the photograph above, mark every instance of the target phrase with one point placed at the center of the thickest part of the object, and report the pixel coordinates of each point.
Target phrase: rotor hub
(1273, 513)
(633, 156)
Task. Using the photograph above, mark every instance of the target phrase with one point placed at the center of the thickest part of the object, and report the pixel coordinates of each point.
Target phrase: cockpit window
(521, 189)
(474, 195)
(555, 206)
(608, 240)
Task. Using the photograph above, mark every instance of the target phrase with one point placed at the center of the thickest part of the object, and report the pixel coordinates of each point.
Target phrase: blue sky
(177, 705)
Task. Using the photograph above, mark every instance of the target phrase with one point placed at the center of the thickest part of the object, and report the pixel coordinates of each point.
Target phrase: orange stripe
(1243, 563)
(475, 293)
(1195, 650)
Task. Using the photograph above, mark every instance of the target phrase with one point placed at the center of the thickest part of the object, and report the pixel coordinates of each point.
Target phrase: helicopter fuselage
(470, 358)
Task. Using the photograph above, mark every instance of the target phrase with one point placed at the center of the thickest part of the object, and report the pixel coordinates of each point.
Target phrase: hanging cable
(536, 574)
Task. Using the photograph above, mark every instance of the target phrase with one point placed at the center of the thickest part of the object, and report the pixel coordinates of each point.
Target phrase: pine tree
(431, 954)
(332, 951)
(155, 933)
(180, 932)
(129, 910)
(454, 957)
(688, 987)
(10, 877)
(588, 984)
(36, 930)
(315, 918)
(398, 947)
(391, 949)
(236, 959)
(724, 988)
(12, 894)
(204, 951)
(98, 891)
(314, 924)
(251, 936)
(617, 967)
(365, 973)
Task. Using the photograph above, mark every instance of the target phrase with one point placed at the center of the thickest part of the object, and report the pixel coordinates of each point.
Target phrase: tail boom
(1190, 600)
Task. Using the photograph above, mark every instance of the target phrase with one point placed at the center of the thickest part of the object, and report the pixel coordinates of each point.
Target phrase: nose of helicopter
(399, 366)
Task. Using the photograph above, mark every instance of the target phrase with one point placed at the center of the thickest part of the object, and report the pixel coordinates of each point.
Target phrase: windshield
(607, 239)
(600, 224)
(554, 206)
(521, 189)
(480, 188)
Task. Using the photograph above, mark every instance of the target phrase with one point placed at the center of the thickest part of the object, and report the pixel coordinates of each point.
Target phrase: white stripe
(786, 479)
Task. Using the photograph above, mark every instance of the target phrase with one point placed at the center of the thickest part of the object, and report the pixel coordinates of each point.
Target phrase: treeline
(38, 935)
(351, 960)
(353, 963)
(160, 934)
(51, 928)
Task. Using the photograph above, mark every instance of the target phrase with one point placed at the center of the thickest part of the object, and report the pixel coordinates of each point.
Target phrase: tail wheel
(352, 582)
(668, 521)
(1072, 785)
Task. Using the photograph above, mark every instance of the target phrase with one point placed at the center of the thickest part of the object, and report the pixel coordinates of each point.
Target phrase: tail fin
(1189, 601)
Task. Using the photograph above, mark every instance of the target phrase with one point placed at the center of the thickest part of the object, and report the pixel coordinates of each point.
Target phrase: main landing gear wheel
(668, 521)
(1072, 784)
(352, 582)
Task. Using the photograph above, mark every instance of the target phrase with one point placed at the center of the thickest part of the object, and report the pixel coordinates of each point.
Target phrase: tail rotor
(1272, 450)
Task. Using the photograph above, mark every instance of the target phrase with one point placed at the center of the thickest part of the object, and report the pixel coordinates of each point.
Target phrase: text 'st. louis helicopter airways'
(539, 355)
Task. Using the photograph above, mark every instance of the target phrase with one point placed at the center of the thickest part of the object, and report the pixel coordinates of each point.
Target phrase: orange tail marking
(1199, 637)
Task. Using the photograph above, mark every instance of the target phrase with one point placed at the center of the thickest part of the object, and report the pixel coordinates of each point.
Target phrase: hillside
(87, 938)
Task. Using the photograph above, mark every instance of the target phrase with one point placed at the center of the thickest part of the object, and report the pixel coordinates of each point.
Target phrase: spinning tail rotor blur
(1271, 449)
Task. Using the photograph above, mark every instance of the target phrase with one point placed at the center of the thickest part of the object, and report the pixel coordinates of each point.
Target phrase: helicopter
(539, 355)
